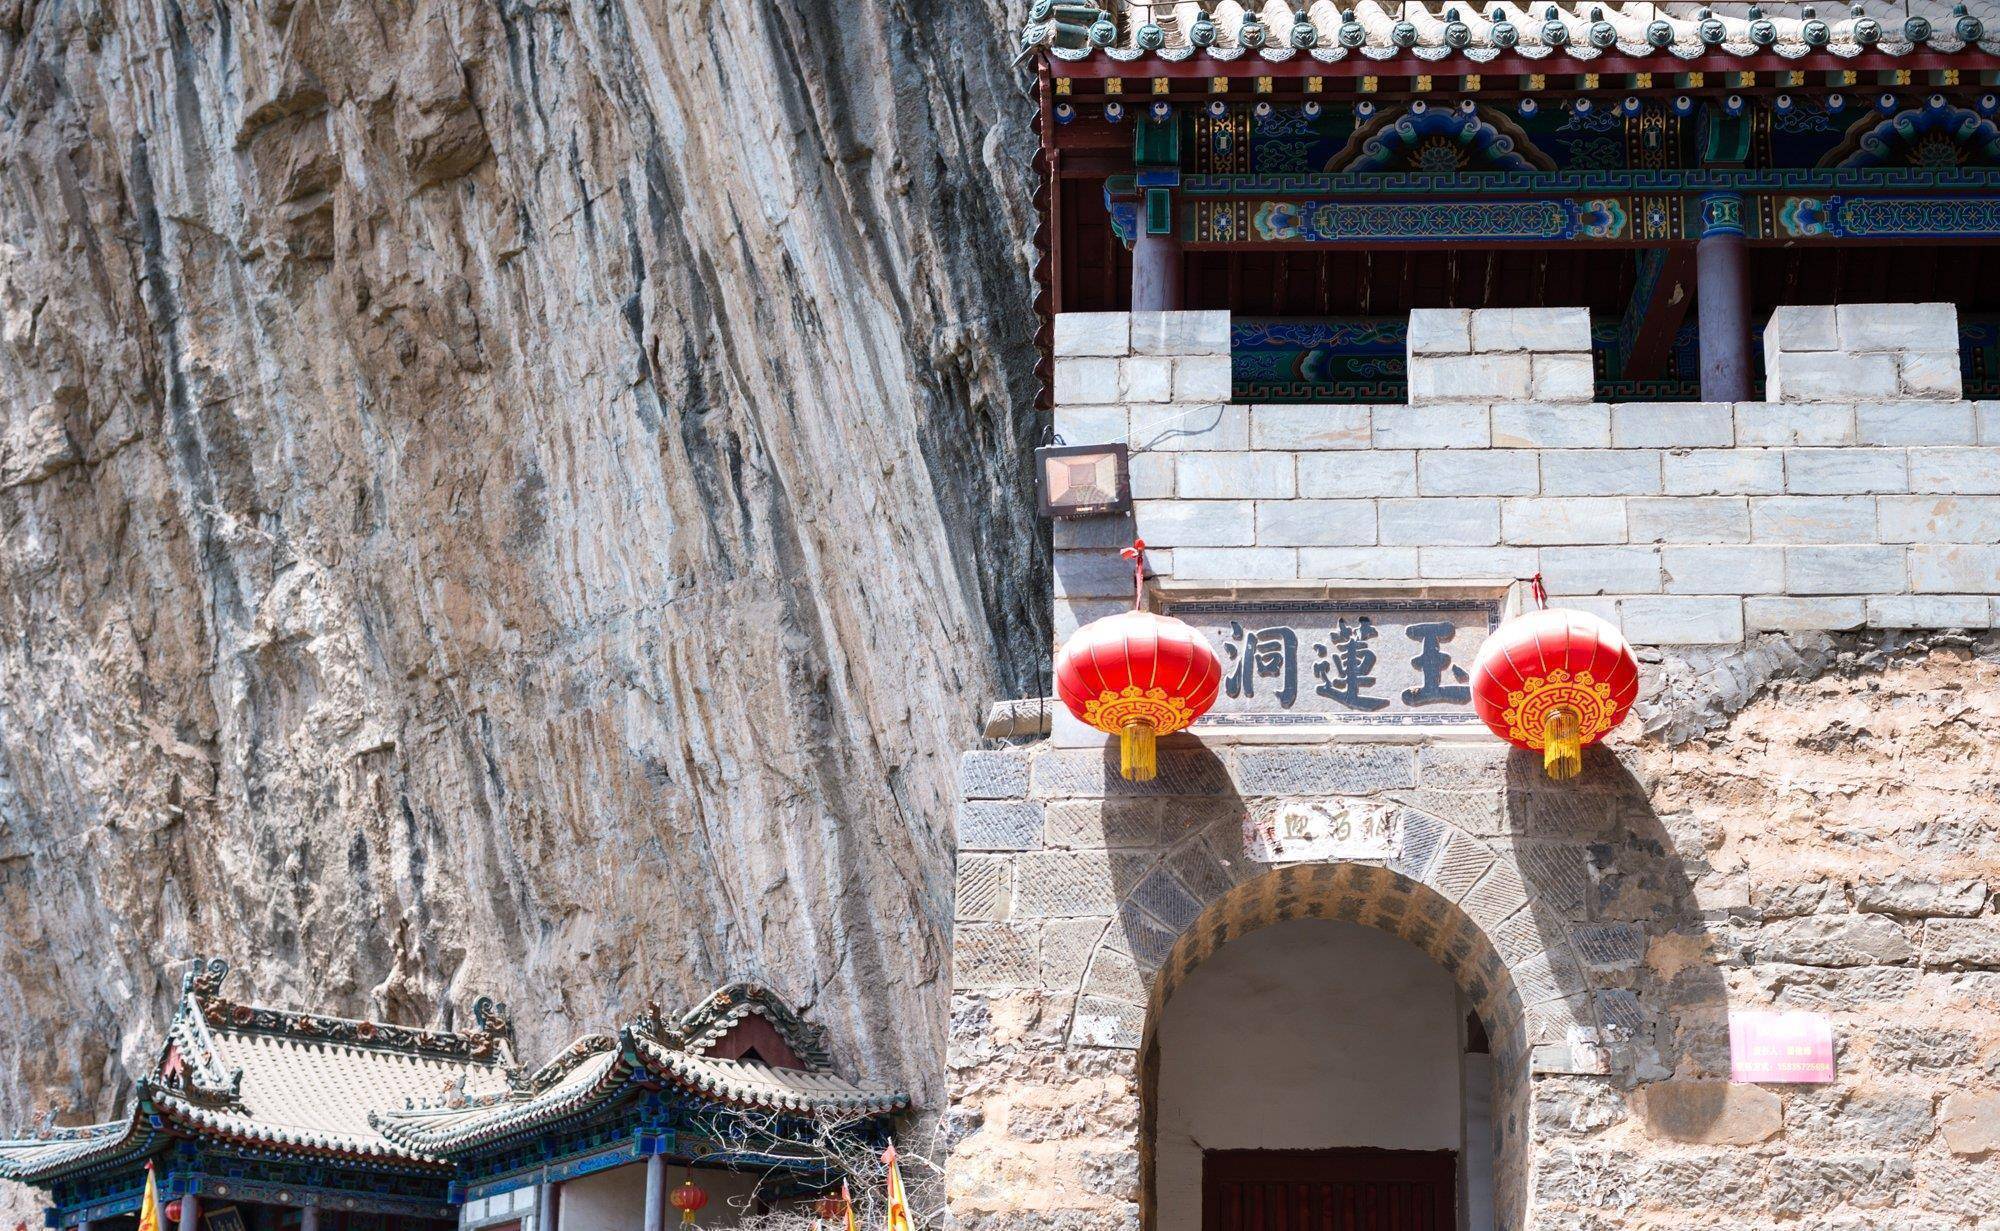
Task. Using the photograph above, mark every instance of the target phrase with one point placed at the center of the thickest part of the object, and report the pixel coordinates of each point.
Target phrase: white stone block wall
(1500, 353)
(1685, 523)
(1874, 351)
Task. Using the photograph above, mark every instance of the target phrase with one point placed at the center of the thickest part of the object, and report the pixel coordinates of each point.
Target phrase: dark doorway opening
(1329, 1190)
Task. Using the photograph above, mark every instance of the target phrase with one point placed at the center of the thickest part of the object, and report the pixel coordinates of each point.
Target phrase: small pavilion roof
(597, 1070)
(275, 1080)
(1169, 31)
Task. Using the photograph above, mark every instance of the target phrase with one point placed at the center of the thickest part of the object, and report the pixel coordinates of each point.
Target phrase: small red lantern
(1138, 676)
(1552, 681)
(687, 1199)
(831, 1207)
(173, 1212)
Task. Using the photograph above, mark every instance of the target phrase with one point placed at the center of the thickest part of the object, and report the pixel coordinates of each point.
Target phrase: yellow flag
(847, 1203)
(149, 1206)
(899, 1206)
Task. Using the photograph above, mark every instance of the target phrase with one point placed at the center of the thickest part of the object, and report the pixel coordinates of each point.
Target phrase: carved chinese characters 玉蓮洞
(1380, 662)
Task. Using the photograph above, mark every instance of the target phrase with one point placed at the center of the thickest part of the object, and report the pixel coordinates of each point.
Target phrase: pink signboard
(1780, 1047)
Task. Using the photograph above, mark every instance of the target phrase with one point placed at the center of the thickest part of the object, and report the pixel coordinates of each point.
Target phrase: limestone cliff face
(521, 497)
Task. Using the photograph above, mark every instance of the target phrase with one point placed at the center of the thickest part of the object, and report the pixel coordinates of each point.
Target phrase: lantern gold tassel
(1139, 758)
(1562, 743)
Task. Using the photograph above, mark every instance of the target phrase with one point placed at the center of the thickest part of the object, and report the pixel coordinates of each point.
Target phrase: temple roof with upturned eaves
(598, 1071)
(378, 1094)
(271, 1079)
(1148, 35)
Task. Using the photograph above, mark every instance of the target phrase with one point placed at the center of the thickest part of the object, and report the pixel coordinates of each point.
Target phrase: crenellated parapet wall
(1683, 523)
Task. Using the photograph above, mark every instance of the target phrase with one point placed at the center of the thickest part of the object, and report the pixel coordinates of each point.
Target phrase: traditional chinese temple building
(1382, 327)
(1320, 170)
(260, 1119)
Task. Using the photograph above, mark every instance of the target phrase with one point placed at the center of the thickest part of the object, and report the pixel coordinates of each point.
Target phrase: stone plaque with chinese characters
(1321, 830)
(1338, 661)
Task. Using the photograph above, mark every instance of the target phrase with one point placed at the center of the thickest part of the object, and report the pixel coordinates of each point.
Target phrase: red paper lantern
(1552, 681)
(687, 1199)
(831, 1207)
(173, 1212)
(1138, 676)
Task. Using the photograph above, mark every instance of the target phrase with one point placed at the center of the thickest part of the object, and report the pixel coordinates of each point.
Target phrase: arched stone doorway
(1449, 896)
(1321, 1068)
(1561, 912)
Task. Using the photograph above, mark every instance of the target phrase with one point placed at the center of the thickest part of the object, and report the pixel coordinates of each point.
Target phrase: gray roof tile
(1134, 30)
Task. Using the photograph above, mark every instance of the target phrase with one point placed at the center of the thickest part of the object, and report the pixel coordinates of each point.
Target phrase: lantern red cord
(1138, 676)
(1552, 681)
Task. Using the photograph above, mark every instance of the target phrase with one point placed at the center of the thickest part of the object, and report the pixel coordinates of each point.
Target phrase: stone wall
(1879, 351)
(1827, 845)
(1831, 848)
(1684, 523)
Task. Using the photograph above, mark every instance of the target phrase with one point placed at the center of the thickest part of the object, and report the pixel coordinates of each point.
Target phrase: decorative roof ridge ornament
(1815, 32)
(1304, 35)
(1555, 31)
(1457, 35)
(206, 1010)
(1104, 31)
(492, 1021)
(1602, 33)
(492, 1018)
(564, 1063)
(1763, 31)
(1865, 30)
(703, 1025)
(204, 978)
(200, 1077)
(1709, 27)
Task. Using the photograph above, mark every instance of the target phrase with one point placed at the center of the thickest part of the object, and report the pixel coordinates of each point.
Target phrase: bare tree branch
(838, 1147)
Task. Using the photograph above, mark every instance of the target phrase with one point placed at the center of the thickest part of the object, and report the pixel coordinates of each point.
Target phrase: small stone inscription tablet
(1338, 661)
(1322, 830)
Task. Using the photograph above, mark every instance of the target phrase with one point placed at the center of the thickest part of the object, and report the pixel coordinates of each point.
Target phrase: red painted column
(1722, 299)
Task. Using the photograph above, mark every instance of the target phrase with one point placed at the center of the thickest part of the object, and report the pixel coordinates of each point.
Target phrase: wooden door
(1329, 1190)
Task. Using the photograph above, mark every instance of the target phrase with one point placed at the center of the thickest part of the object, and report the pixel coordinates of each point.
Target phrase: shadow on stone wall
(1565, 911)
